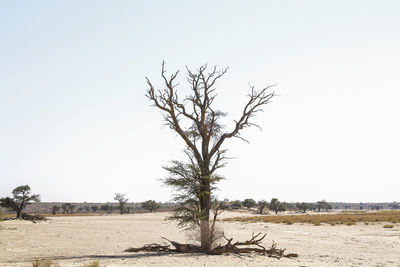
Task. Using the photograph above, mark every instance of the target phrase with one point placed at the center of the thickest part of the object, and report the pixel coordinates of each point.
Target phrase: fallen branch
(250, 246)
(33, 218)
(27, 217)
(150, 248)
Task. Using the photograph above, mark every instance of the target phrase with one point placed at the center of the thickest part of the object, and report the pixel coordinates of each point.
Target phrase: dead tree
(198, 123)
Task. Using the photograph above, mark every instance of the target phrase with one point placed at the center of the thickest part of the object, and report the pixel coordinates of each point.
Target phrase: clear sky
(75, 125)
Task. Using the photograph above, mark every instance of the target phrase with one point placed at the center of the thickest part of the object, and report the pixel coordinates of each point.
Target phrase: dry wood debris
(253, 245)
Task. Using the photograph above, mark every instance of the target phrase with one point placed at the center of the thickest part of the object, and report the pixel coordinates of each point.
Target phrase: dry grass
(13, 215)
(44, 263)
(346, 218)
(92, 264)
(388, 226)
(49, 263)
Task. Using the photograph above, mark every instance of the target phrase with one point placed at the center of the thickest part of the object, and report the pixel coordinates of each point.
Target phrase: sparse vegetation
(54, 209)
(151, 205)
(235, 205)
(388, 226)
(94, 208)
(44, 263)
(67, 208)
(261, 205)
(106, 208)
(249, 203)
(92, 264)
(302, 206)
(323, 205)
(50, 263)
(347, 218)
(276, 206)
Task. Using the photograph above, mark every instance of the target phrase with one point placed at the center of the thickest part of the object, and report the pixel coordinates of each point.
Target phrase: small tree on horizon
(323, 205)
(303, 207)
(151, 205)
(122, 201)
(106, 207)
(94, 208)
(261, 205)
(249, 203)
(54, 209)
(21, 197)
(67, 208)
(276, 206)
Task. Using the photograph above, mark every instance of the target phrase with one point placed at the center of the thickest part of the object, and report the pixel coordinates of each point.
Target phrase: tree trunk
(205, 206)
(20, 208)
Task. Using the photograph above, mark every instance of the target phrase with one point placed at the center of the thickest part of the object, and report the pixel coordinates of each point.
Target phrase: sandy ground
(74, 241)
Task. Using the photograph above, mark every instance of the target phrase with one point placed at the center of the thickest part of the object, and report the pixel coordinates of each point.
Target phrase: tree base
(250, 246)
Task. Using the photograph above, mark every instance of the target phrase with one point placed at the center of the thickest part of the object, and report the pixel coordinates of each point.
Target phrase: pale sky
(75, 124)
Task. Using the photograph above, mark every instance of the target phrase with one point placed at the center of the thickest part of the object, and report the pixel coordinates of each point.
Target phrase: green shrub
(92, 264)
(388, 226)
(237, 204)
(43, 263)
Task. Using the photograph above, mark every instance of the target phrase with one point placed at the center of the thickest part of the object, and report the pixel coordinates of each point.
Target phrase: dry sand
(74, 241)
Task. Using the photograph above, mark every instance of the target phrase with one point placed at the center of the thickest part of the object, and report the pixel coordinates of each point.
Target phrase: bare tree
(121, 202)
(198, 123)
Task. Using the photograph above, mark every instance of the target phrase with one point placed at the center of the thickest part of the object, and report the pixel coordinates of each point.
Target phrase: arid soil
(74, 241)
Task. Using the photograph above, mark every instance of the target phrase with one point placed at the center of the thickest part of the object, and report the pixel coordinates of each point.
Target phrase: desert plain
(78, 240)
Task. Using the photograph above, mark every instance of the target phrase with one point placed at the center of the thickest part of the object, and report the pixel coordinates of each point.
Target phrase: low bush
(49, 263)
(92, 264)
(388, 226)
(44, 263)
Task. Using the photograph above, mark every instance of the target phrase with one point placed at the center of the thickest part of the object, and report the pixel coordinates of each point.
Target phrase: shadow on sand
(127, 256)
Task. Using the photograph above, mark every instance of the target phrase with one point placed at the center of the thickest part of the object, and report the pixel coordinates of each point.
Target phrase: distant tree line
(275, 205)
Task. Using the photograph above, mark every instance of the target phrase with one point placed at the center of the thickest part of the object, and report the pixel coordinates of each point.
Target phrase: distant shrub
(249, 203)
(261, 205)
(92, 264)
(151, 205)
(44, 263)
(388, 226)
(1, 215)
(237, 204)
(302, 206)
(276, 206)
